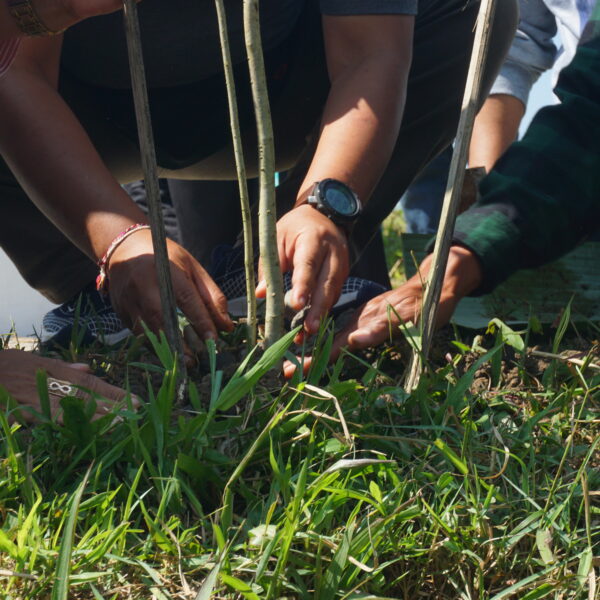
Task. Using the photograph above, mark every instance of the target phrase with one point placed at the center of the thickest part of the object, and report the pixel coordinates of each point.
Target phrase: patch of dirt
(127, 366)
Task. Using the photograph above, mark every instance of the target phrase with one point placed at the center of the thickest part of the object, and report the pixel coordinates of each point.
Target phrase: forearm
(496, 128)
(57, 165)
(56, 15)
(542, 197)
(368, 59)
(360, 126)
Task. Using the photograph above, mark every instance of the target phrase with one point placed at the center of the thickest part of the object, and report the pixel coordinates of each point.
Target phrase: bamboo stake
(150, 168)
(267, 209)
(241, 173)
(567, 359)
(453, 190)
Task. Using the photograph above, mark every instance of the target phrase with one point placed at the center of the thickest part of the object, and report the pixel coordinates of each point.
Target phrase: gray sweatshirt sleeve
(369, 7)
(532, 52)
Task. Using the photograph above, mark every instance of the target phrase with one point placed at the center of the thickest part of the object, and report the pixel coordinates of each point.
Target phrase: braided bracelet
(28, 20)
(102, 279)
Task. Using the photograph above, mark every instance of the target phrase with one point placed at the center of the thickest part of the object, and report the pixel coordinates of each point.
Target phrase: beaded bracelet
(102, 279)
(28, 20)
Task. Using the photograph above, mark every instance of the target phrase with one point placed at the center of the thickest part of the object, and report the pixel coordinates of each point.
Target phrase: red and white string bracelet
(102, 279)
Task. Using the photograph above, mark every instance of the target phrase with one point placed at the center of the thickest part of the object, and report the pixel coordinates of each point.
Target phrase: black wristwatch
(337, 201)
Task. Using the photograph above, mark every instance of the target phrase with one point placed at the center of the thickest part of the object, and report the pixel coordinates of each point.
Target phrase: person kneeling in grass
(540, 201)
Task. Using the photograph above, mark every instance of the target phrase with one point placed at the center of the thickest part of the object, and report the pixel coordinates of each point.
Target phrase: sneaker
(89, 317)
(229, 274)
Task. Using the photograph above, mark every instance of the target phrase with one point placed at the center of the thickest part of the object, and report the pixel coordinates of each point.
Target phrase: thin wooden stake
(566, 359)
(267, 220)
(453, 190)
(150, 168)
(241, 173)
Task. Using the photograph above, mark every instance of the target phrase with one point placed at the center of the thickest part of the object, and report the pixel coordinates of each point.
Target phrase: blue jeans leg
(422, 201)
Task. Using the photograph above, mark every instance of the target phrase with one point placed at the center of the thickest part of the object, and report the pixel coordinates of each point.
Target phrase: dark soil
(136, 367)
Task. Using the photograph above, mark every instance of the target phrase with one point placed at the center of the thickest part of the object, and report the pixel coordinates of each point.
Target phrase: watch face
(340, 198)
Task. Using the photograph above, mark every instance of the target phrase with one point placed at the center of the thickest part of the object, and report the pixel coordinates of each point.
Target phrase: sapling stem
(150, 168)
(240, 165)
(267, 219)
(454, 186)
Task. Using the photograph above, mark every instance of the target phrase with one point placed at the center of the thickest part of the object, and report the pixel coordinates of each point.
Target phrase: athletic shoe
(87, 318)
(229, 274)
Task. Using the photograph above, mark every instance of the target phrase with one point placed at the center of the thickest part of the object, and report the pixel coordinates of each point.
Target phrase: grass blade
(335, 571)
(207, 589)
(241, 383)
(60, 591)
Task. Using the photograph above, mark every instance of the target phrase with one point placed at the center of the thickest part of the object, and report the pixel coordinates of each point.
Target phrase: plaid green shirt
(543, 196)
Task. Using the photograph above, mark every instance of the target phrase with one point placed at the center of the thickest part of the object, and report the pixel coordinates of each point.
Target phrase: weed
(327, 487)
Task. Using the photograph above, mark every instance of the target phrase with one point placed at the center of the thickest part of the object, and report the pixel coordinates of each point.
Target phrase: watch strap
(27, 19)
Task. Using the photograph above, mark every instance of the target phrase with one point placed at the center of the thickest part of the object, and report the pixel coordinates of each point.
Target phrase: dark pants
(442, 49)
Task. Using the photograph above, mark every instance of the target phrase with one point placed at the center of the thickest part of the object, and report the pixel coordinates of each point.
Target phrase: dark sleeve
(543, 197)
(369, 7)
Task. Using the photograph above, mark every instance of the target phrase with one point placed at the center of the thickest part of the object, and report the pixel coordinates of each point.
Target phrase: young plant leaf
(321, 353)
(540, 592)
(206, 591)
(76, 420)
(41, 381)
(543, 540)
(375, 491)
(451, 456)
(6, 545)
(508, 335)
(240, 586)
(241, 383)
(335, 571)
(585, 566)
(565, 319)
(456, 393)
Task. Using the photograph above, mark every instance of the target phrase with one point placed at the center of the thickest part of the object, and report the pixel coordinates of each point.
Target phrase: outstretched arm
(526, 216)
(369, 58)
(54, 160)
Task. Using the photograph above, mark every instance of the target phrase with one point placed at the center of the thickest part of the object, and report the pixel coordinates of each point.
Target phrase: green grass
(392, 227)
(324, 488)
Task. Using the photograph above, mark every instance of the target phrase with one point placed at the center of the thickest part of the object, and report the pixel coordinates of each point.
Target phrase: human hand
(135, 295)
(316, 251)
(18, 375)
(380, 318)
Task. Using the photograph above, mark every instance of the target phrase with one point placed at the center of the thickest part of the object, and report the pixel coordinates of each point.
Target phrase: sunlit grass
(393, 226)
(286, 493)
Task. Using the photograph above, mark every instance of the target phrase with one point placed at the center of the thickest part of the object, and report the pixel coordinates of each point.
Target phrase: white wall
(18, 302)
